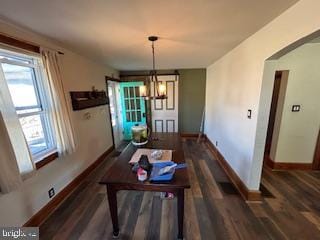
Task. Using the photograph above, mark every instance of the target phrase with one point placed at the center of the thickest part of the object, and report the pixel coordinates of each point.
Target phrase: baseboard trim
(45, 212)
(189, 135)
(192, 135)
(286, 166)
(248, 195)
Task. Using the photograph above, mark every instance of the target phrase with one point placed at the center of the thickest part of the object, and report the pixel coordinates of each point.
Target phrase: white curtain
(10, 177)
(59, 106)
(15, 158)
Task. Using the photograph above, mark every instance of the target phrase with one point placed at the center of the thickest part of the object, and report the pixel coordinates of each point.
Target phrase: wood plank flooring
(214, 209)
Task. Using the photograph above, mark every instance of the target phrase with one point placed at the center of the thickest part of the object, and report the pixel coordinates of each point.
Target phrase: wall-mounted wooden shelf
(88, 99)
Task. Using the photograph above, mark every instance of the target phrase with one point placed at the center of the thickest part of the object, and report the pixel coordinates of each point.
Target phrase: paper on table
(166, 155)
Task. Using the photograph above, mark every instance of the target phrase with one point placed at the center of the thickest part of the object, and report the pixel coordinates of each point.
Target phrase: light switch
(249, 113)
(295, 108)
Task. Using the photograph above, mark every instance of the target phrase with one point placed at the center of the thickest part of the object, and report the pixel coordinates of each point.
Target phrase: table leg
(180, 194)
(112, 199)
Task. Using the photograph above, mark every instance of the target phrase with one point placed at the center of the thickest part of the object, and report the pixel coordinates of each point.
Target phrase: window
(24, 78)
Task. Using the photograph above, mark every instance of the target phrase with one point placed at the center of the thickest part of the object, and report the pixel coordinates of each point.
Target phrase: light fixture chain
(156, 83)
(153, 59)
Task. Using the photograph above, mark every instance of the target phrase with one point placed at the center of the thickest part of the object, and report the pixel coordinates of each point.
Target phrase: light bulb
(143, 90)
(162, 89)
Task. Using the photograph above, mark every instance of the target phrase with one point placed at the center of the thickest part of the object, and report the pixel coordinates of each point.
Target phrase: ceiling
(193, 33)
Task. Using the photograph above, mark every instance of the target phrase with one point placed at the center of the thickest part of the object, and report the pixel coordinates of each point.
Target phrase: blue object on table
(155, 177)
(181, 165)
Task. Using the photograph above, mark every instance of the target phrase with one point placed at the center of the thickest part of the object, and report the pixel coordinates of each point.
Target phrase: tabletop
(120, 173)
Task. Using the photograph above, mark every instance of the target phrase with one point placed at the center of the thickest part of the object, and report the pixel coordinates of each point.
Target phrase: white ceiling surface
(193, 33)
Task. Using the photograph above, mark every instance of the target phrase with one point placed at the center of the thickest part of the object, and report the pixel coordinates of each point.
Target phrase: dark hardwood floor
(214, 210)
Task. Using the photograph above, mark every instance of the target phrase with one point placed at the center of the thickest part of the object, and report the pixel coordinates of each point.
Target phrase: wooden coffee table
(120, 177)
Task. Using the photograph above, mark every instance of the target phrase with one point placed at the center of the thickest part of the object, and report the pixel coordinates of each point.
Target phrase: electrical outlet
(216, 143)
(51, 193)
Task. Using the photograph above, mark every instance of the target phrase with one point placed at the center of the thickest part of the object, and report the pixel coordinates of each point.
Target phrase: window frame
(42, 107)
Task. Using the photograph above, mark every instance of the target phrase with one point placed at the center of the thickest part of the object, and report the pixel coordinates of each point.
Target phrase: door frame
(316, 160)
(280, 83)
(111, 82)
(110, 117)
(273, 111)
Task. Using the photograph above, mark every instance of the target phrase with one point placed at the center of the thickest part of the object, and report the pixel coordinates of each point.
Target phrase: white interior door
(165, 111)
(115, 111)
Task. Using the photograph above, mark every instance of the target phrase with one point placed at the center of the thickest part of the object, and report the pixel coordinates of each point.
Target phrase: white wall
(237, 82)
(93, 136)
(298, 132)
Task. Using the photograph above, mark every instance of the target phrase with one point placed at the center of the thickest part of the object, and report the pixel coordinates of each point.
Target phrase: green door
(133, 107)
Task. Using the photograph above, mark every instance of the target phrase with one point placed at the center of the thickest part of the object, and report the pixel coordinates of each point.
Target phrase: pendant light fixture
(160, 89)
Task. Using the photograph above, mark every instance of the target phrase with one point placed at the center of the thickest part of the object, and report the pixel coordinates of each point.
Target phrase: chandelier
(160, 89)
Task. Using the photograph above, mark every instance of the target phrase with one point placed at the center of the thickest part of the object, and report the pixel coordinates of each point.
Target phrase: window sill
(46, 160)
